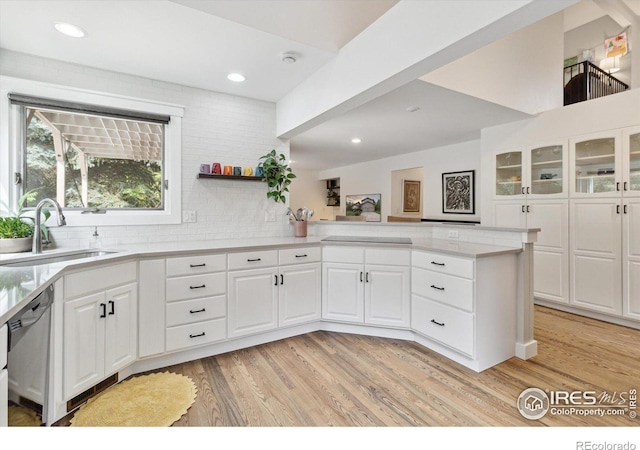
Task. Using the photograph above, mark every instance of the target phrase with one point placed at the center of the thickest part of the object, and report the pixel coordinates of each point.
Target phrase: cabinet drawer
(353, 255)
(388, 256)
(99, 279)
(450, 326)
(198, 310)
(207, 285)
(3, 346)
(299, 255)
(196, 334)
(252, 260)
(193, 265)
(453, 291)
(452, 265)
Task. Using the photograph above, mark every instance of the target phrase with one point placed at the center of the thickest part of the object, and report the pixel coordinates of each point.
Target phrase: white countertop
(19, 285)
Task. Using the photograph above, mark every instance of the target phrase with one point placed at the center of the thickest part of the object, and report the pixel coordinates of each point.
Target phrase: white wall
(375, 177)
(216, 127)
(307, 190)
(522, 71)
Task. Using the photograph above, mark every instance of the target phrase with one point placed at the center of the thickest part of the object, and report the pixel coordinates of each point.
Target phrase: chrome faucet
(37, 232)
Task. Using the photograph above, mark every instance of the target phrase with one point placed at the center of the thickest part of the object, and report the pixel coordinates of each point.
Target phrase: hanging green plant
(277, 174)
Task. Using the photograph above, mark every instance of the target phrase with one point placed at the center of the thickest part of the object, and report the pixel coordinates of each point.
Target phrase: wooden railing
(585, 81)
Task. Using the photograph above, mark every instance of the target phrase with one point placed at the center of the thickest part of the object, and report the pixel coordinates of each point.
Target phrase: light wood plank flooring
(333, 379)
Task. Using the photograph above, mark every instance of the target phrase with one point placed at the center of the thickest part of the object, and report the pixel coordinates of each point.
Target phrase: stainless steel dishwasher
(28, 356)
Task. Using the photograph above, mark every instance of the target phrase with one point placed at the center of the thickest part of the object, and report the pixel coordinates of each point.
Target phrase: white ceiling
(198, 42)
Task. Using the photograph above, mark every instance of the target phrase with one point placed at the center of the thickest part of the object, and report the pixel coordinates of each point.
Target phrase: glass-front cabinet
(509, 174)
(546, 169)
(596, 165)
(539, 171)
(631, 163)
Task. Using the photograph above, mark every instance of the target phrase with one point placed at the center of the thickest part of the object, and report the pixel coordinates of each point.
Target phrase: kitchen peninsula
(464, 291)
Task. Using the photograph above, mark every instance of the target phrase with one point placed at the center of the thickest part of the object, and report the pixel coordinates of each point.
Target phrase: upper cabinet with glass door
(547, 171)
(540, 171)
(631, 162)
(508, 174)
(596, 165)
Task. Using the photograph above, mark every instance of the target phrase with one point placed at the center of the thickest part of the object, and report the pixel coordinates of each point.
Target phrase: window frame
(11, 150)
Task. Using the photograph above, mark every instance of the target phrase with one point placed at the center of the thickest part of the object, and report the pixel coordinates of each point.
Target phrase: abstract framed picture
(411, 196)
(458, 192)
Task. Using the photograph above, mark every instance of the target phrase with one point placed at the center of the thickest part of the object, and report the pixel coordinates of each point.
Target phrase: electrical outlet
(453, 234)
(188, 216)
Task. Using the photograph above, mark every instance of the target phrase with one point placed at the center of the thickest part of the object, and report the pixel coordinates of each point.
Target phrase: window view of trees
(112, 183)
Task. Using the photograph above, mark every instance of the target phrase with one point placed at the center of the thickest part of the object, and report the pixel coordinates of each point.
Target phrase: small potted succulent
(16, 230)
(277, 174)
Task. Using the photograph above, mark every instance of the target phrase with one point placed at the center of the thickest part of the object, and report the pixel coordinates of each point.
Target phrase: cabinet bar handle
(194, 311)
(618, 186)
(437, 263)
(523, 190)
(360, 277)
(625, 186)
(437, 323)
(197, 287)
(366, 278)
(436, 287)
(254, 260)
(196, 335)
(522, 208)
(276, 277)
(113, 307)
(301, 256)
(617, 209)
(528, 208)
(281, 279)
(197, 265)
(103, 312)
(624, 209)
(528, 189)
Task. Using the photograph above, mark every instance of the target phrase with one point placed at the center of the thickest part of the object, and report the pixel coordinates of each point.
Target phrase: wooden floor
(334, 379)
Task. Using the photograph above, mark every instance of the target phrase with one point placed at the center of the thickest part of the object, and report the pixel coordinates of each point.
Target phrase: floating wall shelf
(228, 177)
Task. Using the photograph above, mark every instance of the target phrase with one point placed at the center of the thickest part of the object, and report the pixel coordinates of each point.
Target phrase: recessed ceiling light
(413, 108)
(289, 58)
(356, 140)
(237, 77)
(69, 29)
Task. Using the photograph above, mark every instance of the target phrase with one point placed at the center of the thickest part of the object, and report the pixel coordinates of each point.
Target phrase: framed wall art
(411, 196)
(458, 192)
(367, 205)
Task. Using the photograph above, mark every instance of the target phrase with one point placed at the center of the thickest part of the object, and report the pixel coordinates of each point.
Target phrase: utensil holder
(300, 228)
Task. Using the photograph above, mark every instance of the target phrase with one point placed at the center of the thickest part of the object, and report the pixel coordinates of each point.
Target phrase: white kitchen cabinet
(540, 172)
(631, 259)
(596, 165)
(4, 378)
(196, 296)
(466, 305)
(299, 296)
(253, 301)
(372, 288)
(100, 328)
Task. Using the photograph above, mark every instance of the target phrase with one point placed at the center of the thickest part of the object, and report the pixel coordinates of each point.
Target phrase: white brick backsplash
(216, 127)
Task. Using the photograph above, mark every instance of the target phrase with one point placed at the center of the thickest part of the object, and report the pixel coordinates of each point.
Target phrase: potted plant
(278, 175)
(16, 230)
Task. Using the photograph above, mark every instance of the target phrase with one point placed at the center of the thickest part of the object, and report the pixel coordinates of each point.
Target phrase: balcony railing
(585, 81)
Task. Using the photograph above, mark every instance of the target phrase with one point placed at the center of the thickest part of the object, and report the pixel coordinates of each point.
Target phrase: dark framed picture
(458, 192)
(411, 196)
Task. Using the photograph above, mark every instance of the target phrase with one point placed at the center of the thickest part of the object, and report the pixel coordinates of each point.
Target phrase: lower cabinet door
(299, 294)
(387, 295)
(253, 301)
(121, 328)
(343, 292)
(448, 325)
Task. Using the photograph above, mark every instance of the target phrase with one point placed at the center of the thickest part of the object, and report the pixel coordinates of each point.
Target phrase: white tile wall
(216, 127)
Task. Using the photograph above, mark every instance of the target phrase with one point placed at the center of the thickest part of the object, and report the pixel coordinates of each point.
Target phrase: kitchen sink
(44, 258)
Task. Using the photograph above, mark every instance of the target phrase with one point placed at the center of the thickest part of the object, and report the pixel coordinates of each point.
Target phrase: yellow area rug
(154, 400)
(23, 417)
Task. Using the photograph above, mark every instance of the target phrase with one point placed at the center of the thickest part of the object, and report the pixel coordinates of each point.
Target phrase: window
(93, 162)
(108, 160)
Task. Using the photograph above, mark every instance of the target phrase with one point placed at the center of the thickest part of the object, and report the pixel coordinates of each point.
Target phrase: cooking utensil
(299, 214)
(309, 214)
